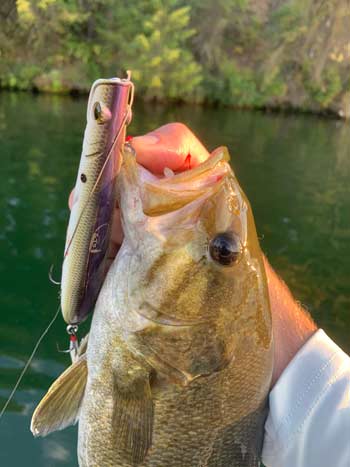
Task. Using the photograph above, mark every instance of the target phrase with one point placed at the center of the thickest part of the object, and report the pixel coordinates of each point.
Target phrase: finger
(172, 145)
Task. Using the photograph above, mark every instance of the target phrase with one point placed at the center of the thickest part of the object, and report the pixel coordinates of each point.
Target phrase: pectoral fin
(133, 417)
(60, 406)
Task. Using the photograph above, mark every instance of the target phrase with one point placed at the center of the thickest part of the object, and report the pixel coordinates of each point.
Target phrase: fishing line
(29, 361)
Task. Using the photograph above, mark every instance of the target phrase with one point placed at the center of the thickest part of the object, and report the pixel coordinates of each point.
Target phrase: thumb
(172, 145)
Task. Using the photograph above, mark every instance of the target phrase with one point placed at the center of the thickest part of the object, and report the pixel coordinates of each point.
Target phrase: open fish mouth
(173, 191)
(173, 205)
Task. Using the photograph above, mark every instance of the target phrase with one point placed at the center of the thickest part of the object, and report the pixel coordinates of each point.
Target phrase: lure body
(88, 234)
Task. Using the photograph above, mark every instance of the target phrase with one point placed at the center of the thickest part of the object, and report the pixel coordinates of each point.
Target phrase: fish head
(196, 286)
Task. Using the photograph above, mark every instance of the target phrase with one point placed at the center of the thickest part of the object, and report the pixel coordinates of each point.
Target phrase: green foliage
(51, 82)
(239, 87)
(242, 87)
(289, 21)
(21, 78)
(327, 88)
(162, 65)
(234, 52)
(220, 25)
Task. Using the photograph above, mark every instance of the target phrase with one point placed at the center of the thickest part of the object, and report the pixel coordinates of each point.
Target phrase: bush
(326, 89)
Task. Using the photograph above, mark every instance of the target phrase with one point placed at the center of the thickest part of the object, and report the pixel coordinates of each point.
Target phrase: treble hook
(51, 278)
(61, 351)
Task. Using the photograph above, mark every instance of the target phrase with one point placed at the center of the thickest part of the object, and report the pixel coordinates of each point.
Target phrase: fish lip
(219, 155)
(161, 195)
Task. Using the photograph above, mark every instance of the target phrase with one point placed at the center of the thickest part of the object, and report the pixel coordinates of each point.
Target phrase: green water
(294, 169)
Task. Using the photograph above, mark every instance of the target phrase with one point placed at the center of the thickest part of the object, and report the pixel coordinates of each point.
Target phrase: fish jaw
(90, 220)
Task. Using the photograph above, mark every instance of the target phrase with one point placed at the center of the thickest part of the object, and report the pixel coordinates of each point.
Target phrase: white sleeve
(309, 419)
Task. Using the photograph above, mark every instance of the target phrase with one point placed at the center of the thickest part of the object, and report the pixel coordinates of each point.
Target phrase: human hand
(176, 147)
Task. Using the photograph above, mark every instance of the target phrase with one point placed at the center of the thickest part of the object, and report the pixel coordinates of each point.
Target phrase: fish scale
(189, 422)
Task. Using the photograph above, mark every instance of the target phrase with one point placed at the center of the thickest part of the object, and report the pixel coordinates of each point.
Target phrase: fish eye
(225, 248)
(97, 111)
(83, 178)
(101, 113)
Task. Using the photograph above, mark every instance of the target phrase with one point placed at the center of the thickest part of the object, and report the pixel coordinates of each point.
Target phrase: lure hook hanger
(72, 330)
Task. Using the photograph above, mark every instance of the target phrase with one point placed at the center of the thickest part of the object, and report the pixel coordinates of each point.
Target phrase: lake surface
(295, 171)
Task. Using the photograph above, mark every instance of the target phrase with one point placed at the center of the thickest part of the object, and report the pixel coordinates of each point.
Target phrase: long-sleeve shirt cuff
(309, 419)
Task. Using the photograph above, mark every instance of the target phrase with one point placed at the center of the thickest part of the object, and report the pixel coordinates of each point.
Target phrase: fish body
(88, 231)
(179, 359)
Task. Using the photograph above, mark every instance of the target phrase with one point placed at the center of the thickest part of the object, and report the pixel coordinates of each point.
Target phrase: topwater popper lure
(88, 234)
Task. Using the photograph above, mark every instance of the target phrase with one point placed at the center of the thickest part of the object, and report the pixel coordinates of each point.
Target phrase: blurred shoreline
(289, 55)
(285, 109)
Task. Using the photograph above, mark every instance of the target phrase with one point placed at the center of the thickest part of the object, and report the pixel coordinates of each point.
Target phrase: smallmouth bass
(179, 359)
